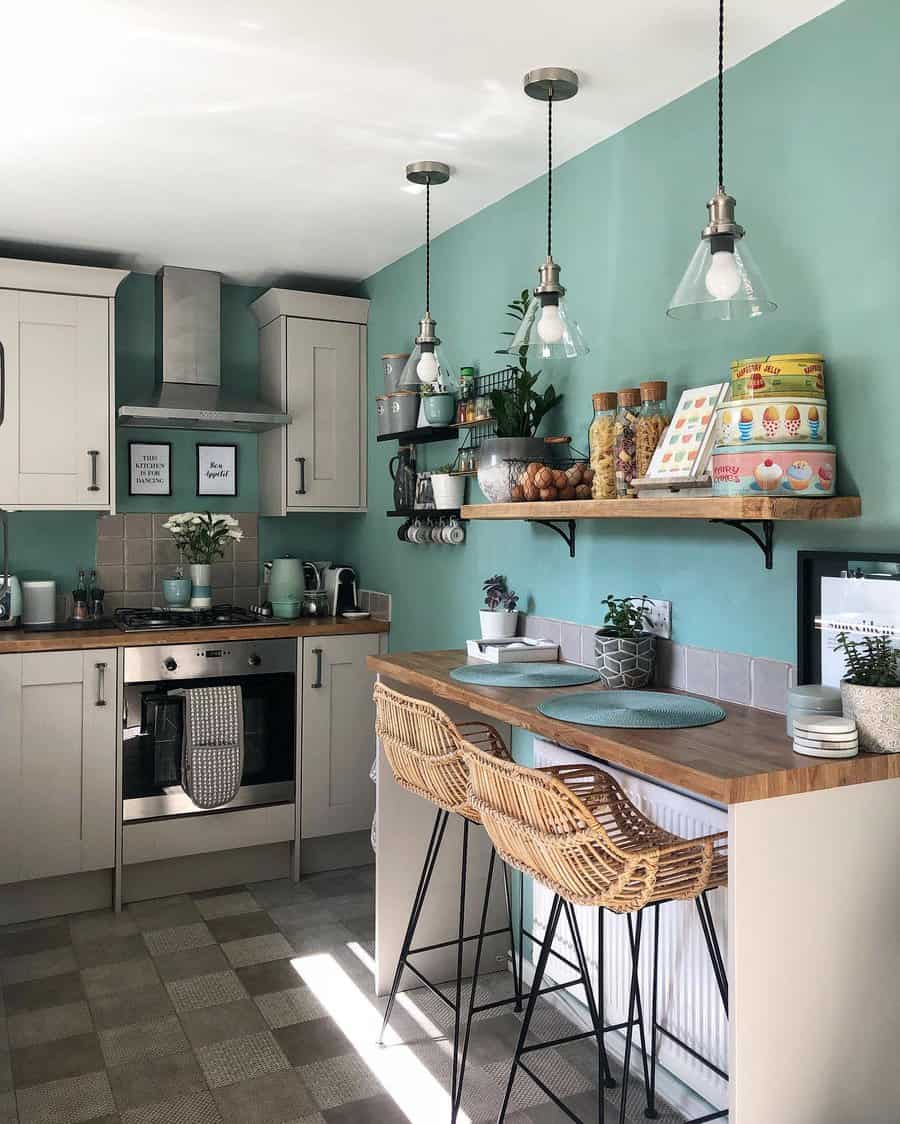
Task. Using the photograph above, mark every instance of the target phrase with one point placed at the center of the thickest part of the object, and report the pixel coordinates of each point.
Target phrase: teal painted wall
(812, 155)
(55, 544)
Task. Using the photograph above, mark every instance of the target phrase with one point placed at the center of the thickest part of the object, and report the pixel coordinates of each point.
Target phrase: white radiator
(689, 1003)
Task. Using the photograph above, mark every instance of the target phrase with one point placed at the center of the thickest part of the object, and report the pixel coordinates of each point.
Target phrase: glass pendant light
(722, 281)
(427, 362)
(547, 329)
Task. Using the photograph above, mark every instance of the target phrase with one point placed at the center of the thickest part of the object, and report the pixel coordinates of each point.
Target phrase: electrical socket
(660, 614)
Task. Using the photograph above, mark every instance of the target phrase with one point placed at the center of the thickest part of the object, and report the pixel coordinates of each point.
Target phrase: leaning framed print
(149, 468)
(217, 470)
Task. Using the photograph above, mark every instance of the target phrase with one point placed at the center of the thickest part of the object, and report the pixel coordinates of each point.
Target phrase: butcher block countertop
(746, 757)
(23, 640)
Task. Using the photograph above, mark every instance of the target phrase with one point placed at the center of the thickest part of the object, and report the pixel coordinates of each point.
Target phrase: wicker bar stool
(423, 747)
(572, 828)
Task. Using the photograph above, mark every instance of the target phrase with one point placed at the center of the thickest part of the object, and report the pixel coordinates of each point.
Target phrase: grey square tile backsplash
(135, 553)
(728, 676)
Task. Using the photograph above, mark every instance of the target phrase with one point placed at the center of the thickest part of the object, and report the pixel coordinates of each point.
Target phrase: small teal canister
(177, 592)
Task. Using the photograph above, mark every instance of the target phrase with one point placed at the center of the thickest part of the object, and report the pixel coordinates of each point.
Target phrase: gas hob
(160, 620)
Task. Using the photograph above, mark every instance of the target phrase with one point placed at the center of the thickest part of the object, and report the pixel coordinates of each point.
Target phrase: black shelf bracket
(568, 537)
(765, 541)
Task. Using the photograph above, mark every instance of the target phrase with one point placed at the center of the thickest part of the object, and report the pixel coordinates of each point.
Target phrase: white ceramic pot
(498, 624)
(201, 585)
(876, 711)
(448, 490)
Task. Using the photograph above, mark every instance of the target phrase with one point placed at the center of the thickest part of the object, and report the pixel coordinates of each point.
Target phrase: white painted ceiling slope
(268, 138)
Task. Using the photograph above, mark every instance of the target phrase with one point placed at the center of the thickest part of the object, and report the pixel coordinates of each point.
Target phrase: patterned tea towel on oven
(213, 749)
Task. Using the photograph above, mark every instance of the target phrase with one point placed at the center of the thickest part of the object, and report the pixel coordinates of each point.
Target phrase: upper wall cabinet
(313, 365)
(57, 385)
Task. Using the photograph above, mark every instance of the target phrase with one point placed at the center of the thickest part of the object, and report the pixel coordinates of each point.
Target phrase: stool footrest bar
(549, 1092)
(690, 1050)
(454, 942)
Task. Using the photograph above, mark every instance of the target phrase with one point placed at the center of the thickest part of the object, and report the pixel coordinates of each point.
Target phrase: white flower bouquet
(201, 536)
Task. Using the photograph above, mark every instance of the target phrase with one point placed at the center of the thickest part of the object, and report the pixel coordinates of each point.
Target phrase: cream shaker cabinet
(337, 722)
(57, 386)
(312, 365)
(57, 763)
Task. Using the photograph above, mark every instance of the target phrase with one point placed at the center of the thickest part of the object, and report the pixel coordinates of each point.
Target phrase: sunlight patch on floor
(415, 1091)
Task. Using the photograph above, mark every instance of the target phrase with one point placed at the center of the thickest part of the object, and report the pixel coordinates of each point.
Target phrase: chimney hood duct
(188, 392)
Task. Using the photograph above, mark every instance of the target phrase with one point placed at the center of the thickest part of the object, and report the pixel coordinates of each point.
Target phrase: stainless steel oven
(265, 670)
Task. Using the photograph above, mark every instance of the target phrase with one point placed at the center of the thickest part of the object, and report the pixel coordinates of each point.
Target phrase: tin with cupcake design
(759, 468)
(771, 419)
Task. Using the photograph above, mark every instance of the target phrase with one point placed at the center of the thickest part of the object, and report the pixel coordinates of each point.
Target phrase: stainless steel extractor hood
(188, 392)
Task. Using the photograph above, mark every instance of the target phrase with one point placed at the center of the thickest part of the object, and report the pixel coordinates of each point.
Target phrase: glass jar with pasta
(627, 414)
(652, 422)
(602, 446)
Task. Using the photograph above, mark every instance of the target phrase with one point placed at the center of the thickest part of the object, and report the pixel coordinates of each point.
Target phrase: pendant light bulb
(550, 326)
(427, 368)
(722, 277)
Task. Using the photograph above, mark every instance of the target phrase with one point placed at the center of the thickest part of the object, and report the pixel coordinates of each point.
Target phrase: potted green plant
(870, 690)
(449, 490)
(519, 410)
(624, 653)
(439, 403)
(501, 617)
(201, 537)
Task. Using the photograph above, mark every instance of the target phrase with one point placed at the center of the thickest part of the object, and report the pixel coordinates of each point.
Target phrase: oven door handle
(317, 652)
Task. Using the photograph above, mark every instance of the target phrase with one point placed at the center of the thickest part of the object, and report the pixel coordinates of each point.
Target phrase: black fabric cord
(428, 244)
(721, 95)
(549, 172)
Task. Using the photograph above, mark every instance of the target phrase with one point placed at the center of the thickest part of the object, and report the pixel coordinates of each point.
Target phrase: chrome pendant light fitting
(546, 327)
(425, 363)
(722, 281)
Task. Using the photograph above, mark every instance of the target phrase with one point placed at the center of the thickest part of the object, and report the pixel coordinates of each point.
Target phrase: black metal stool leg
(476, 969)
(640, 1015)
(521, 933)
(540, 969)
(712, 944)
(460, 948)
(513, 943)
(608, 1080)
(650, 1112)
(602, 1062)
(434, 847)
(632, 1001)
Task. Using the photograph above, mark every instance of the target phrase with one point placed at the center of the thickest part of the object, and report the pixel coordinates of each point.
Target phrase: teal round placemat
(644, 710)
(524, 675)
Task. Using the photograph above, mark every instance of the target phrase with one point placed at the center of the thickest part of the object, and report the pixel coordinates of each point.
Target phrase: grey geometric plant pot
(622, 662)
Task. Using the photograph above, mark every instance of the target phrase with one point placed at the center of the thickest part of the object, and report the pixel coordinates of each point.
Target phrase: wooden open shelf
(735, 511)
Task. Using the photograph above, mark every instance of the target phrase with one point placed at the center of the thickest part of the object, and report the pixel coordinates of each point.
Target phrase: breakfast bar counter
(813, 898)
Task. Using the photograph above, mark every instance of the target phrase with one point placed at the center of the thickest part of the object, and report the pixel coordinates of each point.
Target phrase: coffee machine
(341, 588)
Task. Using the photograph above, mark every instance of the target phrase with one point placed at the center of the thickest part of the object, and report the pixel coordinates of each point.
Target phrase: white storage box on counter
(519, 649)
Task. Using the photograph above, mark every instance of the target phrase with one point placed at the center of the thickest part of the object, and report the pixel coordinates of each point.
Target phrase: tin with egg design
(748, 420)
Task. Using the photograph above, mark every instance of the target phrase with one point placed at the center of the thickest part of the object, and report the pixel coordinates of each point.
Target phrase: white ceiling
(268, 138)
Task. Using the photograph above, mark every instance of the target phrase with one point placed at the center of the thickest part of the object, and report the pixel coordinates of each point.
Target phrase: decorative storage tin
(771, 419)
(403, 410)
(796, 469)
(381, 414)
(774, 376)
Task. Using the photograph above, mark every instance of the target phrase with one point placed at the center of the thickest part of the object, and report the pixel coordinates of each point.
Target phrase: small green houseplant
(625, 654)
(519, 410)
(870, 690)
(501, 617)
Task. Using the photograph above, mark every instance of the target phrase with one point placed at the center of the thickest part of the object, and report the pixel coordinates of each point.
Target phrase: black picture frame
(131, 466)
(202, 445)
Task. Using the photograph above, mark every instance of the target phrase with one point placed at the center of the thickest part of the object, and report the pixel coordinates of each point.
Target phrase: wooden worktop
(23, 640)
(746, 757)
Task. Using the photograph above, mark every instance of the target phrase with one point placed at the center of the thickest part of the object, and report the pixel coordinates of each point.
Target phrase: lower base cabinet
(337, 724)
(57, 763)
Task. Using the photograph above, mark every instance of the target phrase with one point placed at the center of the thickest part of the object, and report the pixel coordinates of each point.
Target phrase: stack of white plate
(825, 736)
(812, 699)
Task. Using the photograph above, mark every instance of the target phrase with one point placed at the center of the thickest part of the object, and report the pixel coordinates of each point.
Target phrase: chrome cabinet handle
(94, 486)
(101, 683)
(317, 652)
(301, 491)
(2, 383)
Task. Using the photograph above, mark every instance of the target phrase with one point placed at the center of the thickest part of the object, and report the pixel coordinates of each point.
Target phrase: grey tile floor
(250, 1005)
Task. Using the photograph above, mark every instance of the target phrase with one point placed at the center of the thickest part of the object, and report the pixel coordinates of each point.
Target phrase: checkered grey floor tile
(190, 1010)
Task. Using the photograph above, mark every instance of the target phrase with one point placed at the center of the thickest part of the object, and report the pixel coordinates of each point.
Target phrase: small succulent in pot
(625, 655)
(501, 617)
(870, 690)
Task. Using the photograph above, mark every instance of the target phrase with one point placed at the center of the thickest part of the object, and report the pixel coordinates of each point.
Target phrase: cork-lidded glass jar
(652, 422)
(627, 414)
(602, 446)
